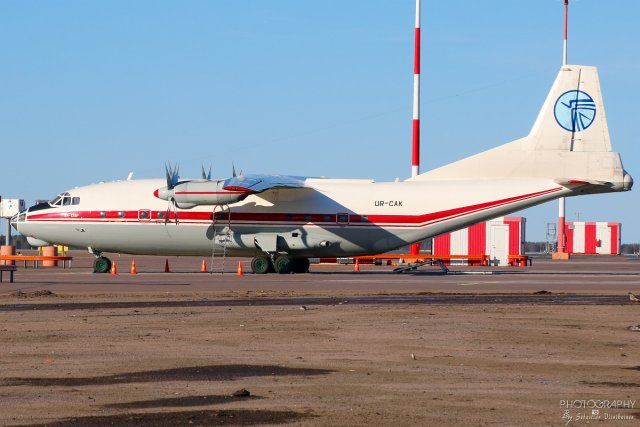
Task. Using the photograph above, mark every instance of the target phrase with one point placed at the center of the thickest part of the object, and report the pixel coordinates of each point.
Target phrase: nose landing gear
(101, 265)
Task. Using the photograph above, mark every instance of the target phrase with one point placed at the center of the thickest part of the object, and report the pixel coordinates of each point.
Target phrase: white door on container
(603, 236)
(499, 247)
(578, 237)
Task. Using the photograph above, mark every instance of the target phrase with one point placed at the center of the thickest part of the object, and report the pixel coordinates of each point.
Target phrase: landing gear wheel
(300, 265)
(261, 264)
(101, 265)
(283, 264)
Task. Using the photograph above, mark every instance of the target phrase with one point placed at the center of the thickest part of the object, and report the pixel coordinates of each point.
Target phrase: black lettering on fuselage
(397, 203)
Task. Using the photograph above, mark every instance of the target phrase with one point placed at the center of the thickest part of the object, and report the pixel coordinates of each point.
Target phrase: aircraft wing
(260, 183)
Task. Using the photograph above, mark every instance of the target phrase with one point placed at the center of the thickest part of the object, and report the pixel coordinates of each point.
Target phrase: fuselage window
(121, 214)
(160, 215)
(343, 218)
(144, 214)
(103, 214)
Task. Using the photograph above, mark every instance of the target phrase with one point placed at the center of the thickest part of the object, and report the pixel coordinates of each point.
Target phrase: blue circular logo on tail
(575, 110)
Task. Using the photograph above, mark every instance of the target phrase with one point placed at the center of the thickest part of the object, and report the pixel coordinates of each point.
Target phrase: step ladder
(225, 235)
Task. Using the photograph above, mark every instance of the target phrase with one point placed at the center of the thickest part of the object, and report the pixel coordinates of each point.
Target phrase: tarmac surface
(484, 346)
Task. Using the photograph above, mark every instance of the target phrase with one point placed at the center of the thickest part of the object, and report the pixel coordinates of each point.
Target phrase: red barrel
(49, 251)
(7, 250)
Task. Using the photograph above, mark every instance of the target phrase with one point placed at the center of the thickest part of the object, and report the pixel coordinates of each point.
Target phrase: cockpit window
(75, 201)
(64, 199)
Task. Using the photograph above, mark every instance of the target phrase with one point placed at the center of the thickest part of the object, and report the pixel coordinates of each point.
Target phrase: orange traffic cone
(204, 267)
(356, 266)
(114, 269)
(166, 266)
(239, 273)
(133, 266)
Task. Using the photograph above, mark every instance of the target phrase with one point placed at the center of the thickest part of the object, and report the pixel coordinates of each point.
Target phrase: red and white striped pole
(561, 207)
(566, 18)
(414, 249)
(415, 156)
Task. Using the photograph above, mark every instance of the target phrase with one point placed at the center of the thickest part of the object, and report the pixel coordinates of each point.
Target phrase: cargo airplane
(282, 221)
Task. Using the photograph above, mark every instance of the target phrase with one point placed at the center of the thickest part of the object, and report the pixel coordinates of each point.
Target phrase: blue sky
(94, 90)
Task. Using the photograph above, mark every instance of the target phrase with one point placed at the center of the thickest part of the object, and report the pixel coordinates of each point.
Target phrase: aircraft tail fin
(572, 117)
(568, 143)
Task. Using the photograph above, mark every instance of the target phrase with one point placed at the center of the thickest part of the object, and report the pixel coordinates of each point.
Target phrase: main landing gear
(282, 264)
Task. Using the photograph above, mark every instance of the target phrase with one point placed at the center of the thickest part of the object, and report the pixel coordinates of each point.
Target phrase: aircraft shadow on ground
(180, 402)
(195, 373)
(216, 417)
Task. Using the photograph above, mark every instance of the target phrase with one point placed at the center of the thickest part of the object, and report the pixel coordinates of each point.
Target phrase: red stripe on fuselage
(262, 218)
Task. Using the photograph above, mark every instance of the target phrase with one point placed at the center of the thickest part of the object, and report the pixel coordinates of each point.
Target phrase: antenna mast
(566, 17)
(415, 157)
(414, 248)
(561, 206)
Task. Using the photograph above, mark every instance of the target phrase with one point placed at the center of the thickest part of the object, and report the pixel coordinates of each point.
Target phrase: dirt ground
(320, 364)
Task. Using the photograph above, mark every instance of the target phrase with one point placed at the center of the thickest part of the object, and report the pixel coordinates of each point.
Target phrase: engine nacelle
(195, 193)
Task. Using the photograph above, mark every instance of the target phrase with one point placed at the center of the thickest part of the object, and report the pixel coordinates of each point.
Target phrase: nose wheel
(101, 265)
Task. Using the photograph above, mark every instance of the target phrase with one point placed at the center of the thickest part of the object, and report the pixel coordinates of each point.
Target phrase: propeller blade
(172, 175)
(168, 173)
(171, 207)
(206, 176)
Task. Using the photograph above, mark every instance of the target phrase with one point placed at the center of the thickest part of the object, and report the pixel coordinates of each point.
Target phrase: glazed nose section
(14, 222)
(18, 219)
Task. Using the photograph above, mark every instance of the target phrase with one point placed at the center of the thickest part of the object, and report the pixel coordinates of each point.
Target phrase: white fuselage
(331, 218)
